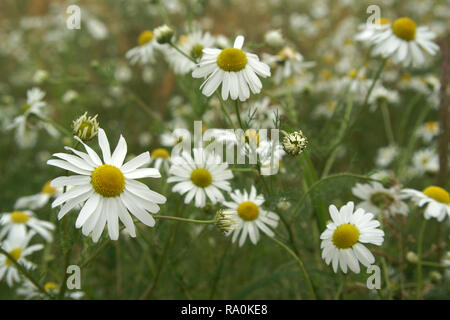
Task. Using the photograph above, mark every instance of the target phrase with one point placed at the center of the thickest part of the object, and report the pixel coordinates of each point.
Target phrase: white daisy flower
(37, 201)
(425, 160)
(382, 95)
(193, 45)
(107, 188)
(201, 177)
(17, 246)
(29, 291)
(19, 221)
(377, 198)
(235, 69)
(26, 131)
(386, 155)
(287, 62)
(435, 199)
(145, 51)
(160, 157)
(343, 240)
(405, 42)
(369, 30)
(428, 131)
(250, 216)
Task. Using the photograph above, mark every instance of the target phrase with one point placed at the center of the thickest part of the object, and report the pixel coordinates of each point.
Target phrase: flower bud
(163, 34)
(294, 143)
(411, 257)
(274, 38)
(85, 127)
(225, 221)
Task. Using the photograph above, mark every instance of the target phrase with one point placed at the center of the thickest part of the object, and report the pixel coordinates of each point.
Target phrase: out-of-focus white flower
(145, 51)
(274, 38)
(386, 155)
(425, 160)
(404, 42)
(40, 199)
(428, 131)
(377, 198)
(17, 246)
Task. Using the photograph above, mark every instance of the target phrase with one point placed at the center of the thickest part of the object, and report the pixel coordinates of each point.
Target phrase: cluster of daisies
(22, 234)
(106, 189)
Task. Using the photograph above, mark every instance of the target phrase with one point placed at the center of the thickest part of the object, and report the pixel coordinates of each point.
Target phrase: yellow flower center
(15, 253)
(47, 189)
(431, 125)
(352, 74)
(19, 217)
(326, 74)
(345, 236)
(108, 181)
(51, 286)
(201, 177)
(160, 153)
(404, 28)
(383, 21)
(183, 39)
(197, 51)
(232, 59)
(438, 194)
(145, 37)
(286, 53)
(406, 77)
(248, 211)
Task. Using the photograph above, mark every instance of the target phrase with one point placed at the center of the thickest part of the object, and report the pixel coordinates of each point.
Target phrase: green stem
(56, 125)
(419, 256)
(219, 271)
(184, 219)
(435, 264)
(173, 45)
(334, 176)
(387, 124)
(225, 112)
(236, 106)
(374, 81)
(300, 263)
(25, 273)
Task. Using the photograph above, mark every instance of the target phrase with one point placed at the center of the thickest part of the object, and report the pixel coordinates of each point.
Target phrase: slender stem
(434, 264)
(387, 123)
(419, 256)
(337, 296)
(300, 263)
(103, 246)
(56, 125)
(152, 285)
(340, 136)
(374, 81)
(383, 260)
(238, 113)
(95, 254)
(25, 273)
(224, 109)
(173, 45)
(334, 176)
(184, 219)
(219, 271)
